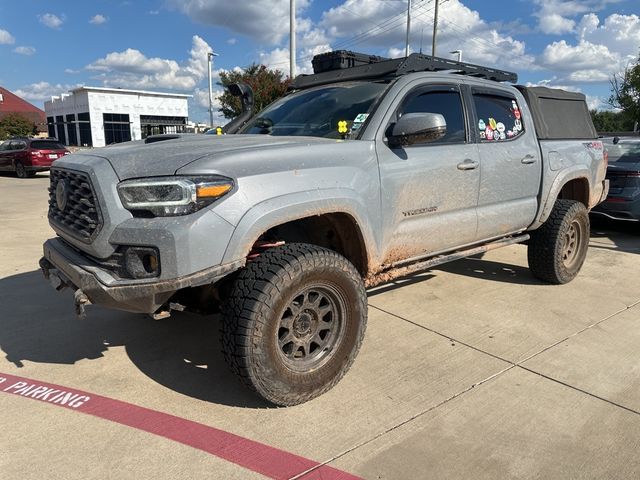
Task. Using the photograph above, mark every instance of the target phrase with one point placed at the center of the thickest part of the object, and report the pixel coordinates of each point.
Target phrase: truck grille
(73, 207)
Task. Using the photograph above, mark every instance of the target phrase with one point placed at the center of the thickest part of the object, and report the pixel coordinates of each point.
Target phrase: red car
(27, 156)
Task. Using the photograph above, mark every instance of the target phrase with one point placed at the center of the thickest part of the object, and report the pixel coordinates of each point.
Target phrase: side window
(447, 103)
(499, 117)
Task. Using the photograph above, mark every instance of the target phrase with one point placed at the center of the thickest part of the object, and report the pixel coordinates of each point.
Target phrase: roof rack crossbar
(415, 62)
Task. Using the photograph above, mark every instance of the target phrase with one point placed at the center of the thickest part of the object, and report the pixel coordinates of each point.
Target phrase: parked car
(623, 172)
(26, 156)
(357, 177)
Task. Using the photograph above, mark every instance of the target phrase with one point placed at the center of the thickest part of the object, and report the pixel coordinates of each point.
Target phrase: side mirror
(417, 128)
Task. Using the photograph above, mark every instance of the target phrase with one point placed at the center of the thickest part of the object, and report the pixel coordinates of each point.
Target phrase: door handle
(468, 164)
(528, 159)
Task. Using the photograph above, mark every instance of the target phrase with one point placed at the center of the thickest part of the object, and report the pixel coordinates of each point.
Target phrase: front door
(430, 190)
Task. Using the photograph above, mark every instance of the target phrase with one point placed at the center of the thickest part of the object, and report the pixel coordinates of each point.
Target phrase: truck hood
(137, 159)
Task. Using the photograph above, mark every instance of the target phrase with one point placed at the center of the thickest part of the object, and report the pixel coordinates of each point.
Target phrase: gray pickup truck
(358, 176)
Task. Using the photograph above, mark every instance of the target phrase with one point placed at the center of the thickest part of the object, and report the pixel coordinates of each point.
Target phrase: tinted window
(446, 103)
(499, 117)
(71, 129)
(4, 146)
(624, 152)
(84, 126)
(18, 145)
(117, 128)
(60, 127)
(46, 145)
(51, 127)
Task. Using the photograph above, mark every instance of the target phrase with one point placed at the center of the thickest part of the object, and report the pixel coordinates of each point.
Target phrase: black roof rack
(416, 62)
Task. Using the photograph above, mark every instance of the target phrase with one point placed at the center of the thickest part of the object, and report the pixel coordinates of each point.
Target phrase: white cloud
(25, 50)
(50, 20)
(132, 69)
(232, 41)
(601, 49)
(6, 38)
(279, 59)
(264, 20)
(556, 17)
(42, 91)
(98, 19)
(380, 28)
(554, 24)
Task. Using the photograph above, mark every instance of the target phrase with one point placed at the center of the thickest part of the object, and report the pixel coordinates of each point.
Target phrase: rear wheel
(558, 248)
(293, 322)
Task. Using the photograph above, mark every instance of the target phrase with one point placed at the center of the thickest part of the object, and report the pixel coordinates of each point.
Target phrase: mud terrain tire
(293, 322)
(558, 248)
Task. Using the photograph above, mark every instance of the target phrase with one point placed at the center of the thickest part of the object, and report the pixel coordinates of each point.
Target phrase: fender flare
(295, 206)
(576, 172)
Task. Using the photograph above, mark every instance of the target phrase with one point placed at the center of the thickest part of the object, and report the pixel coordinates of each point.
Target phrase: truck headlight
(171, 196)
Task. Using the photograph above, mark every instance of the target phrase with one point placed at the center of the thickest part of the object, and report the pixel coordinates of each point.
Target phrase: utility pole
(406, 50)
(435, 30)
(292, 38)
(210, 56)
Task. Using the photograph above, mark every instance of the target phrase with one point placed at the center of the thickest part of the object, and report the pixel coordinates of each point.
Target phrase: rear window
(624, 152)
(558, 114)
(566, 118)
(47, 145)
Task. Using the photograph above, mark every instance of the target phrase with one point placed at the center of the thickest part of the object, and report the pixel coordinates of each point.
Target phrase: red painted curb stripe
(255, 456)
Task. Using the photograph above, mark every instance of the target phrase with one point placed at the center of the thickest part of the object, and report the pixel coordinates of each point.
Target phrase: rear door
(429, 190)
(510, 165)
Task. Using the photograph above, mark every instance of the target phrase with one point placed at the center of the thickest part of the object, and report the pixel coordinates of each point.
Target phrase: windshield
(331, 111)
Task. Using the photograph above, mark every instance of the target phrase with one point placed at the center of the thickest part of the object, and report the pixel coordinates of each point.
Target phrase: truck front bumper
(64, 267)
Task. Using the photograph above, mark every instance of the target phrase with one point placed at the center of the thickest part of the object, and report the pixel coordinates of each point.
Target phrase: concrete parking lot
(471, 370)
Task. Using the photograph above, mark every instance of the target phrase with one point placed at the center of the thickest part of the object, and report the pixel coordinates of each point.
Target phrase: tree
(268, 85)
(608, 121)
(625, 94)
(15, 125)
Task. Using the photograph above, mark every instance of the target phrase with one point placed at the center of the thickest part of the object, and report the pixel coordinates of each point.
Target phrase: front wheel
(558, 248)
(293, 322)
(21, 171)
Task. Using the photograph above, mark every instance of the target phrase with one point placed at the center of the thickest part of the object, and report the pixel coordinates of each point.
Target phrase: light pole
(292, 39)
(210, 56)
(406, 50)
(459, 52)
(435, 30)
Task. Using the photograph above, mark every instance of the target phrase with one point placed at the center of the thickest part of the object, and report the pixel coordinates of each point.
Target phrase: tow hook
(80, 300)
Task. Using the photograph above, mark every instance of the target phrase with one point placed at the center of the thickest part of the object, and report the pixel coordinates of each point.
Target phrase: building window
(84, 125)
(155, 124)
(62, 137)
(51, 127)
(117, 128)
(71, 130)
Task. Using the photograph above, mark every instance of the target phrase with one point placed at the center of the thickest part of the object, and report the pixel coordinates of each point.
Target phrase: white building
(96, 116)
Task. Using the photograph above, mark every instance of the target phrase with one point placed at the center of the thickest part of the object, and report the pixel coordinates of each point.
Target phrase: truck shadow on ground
(624, 236)
(490, 270)
(182, 352)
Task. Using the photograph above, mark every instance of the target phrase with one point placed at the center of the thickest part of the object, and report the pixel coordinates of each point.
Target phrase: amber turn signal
(212, 191)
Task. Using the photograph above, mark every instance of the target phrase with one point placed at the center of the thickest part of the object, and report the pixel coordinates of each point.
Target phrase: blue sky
(47, 47)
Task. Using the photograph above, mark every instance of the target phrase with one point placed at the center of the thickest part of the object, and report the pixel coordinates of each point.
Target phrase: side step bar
(422, 263)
